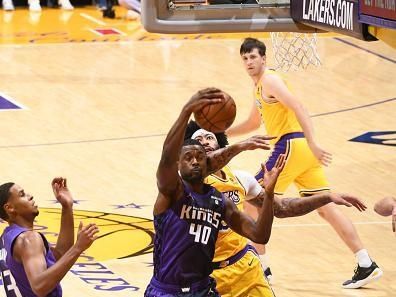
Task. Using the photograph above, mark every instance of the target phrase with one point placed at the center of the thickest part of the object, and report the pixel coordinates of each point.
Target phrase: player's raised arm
(66, 233)
(168, 180)
(292, 207)
(259, 231)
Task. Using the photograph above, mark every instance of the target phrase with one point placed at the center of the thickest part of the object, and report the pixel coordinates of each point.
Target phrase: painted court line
(92, 19)
(328, 225)
(353, 108)
(21, 106)
(162, 134)
(365, 49)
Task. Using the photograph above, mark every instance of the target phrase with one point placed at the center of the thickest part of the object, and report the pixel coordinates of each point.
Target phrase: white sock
(363, 258)
(264, 261)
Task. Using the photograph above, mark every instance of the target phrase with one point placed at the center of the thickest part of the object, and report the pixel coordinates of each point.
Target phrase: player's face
(192, 163)
(253, 62)
(21, 203)
(208, 141)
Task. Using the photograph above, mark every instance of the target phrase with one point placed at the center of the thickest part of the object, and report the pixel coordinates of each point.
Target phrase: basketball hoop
(294, 50)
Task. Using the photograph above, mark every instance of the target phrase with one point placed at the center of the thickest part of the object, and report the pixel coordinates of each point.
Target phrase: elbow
(262, 238)
(256, 125)
(39, 290)
(280, 214)
(265, 241)
(377, 208)
(381, 211)
(42, 287)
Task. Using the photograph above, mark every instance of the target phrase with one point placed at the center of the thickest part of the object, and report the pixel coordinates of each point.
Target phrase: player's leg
(314, 181)
(252, 211)
(289, 172)
(367, 270)
(287, 176)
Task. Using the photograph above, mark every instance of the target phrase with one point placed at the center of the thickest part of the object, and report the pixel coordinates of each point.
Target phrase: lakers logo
(120, 236)
(233, 196)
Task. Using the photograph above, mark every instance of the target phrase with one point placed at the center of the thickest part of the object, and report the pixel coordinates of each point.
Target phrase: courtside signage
(329, 15)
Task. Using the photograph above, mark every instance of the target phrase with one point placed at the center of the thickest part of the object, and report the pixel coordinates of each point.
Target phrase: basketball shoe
(65, 5)
(8, 5)
(363, 276)
(268, 275)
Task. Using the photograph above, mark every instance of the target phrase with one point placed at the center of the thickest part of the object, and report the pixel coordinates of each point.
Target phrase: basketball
(218, 117)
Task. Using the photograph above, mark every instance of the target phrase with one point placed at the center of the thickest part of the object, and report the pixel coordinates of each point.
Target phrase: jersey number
(201, 233)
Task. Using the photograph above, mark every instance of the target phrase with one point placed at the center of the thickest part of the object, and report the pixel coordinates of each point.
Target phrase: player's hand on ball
(202, 98)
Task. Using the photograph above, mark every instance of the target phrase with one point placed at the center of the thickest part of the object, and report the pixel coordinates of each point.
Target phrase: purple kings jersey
(16, 283)
(185, 238)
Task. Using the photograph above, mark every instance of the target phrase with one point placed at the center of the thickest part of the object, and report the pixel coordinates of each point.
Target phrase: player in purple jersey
(36, 268)
(188, 212)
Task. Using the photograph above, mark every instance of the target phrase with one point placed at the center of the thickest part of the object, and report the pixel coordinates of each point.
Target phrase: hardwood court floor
(97, 113)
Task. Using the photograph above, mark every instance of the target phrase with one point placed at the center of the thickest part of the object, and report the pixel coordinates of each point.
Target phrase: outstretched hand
(61, 192)
(204, 97)
(270, 177)
(348, 200)
(257, 142)
(86, 236)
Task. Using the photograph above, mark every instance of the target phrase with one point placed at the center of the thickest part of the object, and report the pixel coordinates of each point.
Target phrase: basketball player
(386, 207)
(285, 117)
(238, 272)
(36, 268)
(188, 212)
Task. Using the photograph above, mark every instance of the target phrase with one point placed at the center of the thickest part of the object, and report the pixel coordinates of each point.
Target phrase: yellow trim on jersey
(277, 118)
(228, 242)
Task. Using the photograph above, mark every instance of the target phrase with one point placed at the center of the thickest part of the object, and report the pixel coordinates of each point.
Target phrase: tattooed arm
(219, 158)
(260, 230)
(292, 207)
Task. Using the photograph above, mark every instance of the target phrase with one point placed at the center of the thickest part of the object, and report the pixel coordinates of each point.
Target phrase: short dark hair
(192, 126)
(4, 195)
(251, 43)
(190, 141)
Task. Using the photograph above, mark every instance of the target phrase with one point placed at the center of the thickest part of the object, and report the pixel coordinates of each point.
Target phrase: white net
(294, 50)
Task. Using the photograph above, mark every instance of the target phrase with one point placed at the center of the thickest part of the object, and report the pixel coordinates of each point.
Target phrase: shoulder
(245, 178)
(249, 182)
(28, 241)
(271, 78)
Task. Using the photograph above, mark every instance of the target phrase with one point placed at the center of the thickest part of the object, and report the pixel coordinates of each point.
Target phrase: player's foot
(268, 275)
(8, 5)
(65, 5)
(34, 5)
(363, 276)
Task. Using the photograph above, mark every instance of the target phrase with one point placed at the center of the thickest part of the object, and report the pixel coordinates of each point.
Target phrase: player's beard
(193, 177)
